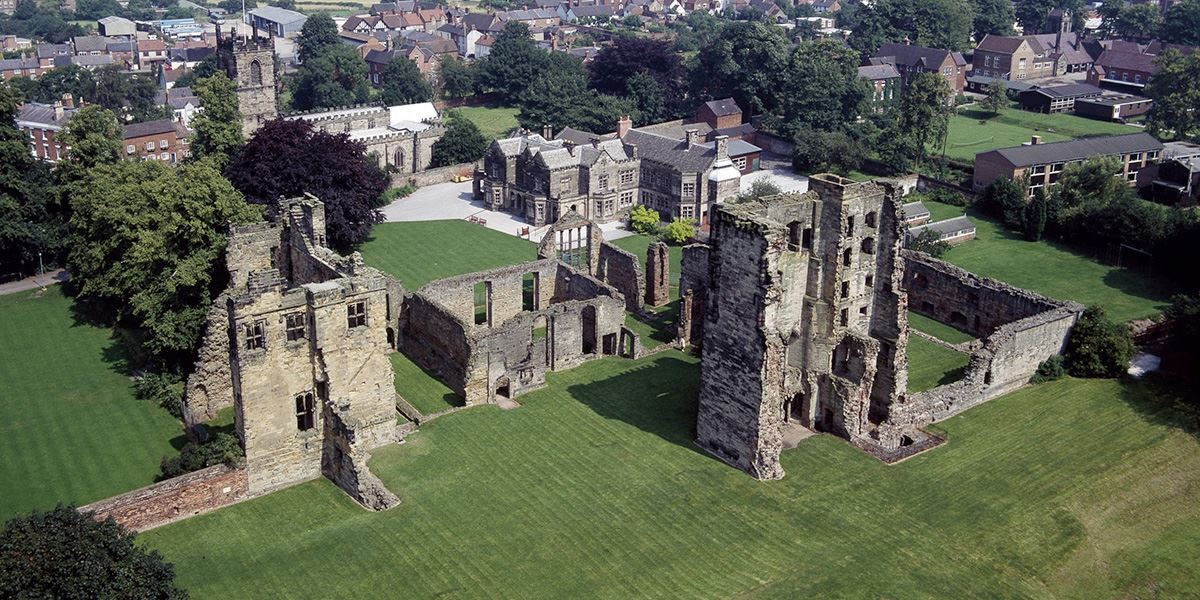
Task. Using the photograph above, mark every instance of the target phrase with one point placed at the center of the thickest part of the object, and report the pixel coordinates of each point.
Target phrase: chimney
(547, 132)
(722, 145)
(58, 110)
(68, 101)
(692, 135)
(1035, 140)
(624, 124)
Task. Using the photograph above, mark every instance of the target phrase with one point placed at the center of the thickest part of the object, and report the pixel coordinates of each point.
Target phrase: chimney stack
(58, 110)
(722, 146)
(624, 124)
(1035, 140)
(692, 135)
(68, 101)
(547, 132)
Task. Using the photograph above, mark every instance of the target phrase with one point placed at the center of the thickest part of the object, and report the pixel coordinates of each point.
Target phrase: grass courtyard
(931, 365)
(70, 428)
(494, 122)
(420, 388)
(419, 252)
(593, 489)
(974, 131)
(937, 329)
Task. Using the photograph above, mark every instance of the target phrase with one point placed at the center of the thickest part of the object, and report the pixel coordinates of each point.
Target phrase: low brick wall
(175, 499)
(432, 176)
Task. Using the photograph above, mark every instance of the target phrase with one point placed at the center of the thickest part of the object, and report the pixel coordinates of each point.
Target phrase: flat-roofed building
(1040, 165)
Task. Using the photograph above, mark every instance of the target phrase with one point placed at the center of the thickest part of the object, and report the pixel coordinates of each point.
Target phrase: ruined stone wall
(431, 336)
(658, 274)
(456, 295)
(975, 304)
(254, 247)
(175, 499)
(694, 282)
(210, 385)
(620, 270)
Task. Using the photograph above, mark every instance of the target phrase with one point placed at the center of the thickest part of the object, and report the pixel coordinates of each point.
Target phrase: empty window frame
(294, 325)
(356, 314)
(305, 411)
(256, 335)
(529, 291)
(481, 292)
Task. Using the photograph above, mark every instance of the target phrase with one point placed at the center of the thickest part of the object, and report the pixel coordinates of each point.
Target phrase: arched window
(399, 159)
(255, 73)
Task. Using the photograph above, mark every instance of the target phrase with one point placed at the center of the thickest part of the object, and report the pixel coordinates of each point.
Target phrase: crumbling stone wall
(620, 270)
(175, 499)
(658, 274)
(210, 385)
(694, 282)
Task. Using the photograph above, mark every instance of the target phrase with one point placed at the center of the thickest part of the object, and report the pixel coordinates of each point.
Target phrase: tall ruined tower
(250, 64)
(804, 323)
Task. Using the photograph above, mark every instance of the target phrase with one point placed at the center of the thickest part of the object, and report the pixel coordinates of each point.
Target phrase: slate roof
(42, 114)
(584, 12)
(160, 126)
(91, 43)
(52, 50)
(122, 46)
(724, 107)
(1036, 154)
(946, 228)
(12, 64)
(736, 147)
(482, 22)
(671, 152)
(877, 72)
(914, 211)
(929, 58)
(1006, 44)
(1068, 90)
(1128, 61)
(84, 60)
(193, 54)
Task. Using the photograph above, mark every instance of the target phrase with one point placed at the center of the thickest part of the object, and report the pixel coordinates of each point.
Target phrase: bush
(393, 194)
(163, 389)
(948, 196)
(222, 448)
(1050, 369)
(679, 231)
(929, 243)
(1099, 346)
(1005, 200)
(644, 220)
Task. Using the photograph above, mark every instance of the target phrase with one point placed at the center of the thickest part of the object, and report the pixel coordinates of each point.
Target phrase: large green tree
(145, 245)
(403, 83)
(32, 223)
(63, 553)
(335, 77)
(1098, 346)
(1182, 23)
(318, 35)
(945, 24)
(1176, 95)
(132, 96)
(559, 97)
(512, 64)
(93, 135)
(462, 142)
(219, 126)
(743, 62)
(821, 88)
(648, 72)
(457, 77)
(924, 110)
(993, 17)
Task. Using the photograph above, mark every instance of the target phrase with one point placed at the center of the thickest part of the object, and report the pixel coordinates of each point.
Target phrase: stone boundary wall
(926, 183)
(175, 499)
(433, 176)
(621, 270)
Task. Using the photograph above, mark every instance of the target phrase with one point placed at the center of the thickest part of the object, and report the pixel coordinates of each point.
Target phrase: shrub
(1050, 369)
(1099, 346)
(163, 389)
(929, 243)
(393, 194)
(644, 220)
(222, 448)
(679, 231)
(948, 196)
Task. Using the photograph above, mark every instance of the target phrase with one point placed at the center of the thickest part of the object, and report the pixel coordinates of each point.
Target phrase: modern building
(914, 213)
(1057, 98)
(165, 140)
(1039, 165)
(116, 27)
(1113, 107)
(278, 22)
(952, 231)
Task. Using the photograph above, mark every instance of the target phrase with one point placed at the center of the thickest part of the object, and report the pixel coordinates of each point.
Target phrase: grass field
(937, 329)
(594, 489)
(493, 121)
(931, 365)
(421, 389)
(417, 253)
(973, 131)
(70, 428)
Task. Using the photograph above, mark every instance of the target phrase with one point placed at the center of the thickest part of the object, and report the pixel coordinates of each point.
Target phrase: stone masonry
(250, 64)
(658, 274)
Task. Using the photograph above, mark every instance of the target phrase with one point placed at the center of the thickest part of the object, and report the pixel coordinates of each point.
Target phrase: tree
(318, 34)
(513, 62)
(289, 158)
(132, 96)
(457, 77)
(679, 230)
(744, 63)
(1137, 21)
(63, 553)
(31, 221)
(1184, 312)
(648, 72)
(1005, 199)
(1032, 14)
(94, 138)
(930, 243)
(821, 88)
(816, 151)
(993, 17)
(644, 92)
(932, 23)
(897, 148)
(1098, 347)
(219, 126)
(462, 142)
(997, 96)
(205, 68)
(761, 188)
(1182, 24)
(559, 97)
(403, 83)
(644, 220)
(337, 76)
(145, 246)
(631, 21)
(1034, 217)
(924, 110)
(67, 79)
(1176, 108)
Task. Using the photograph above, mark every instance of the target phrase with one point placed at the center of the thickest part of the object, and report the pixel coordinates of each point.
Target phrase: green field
(589, 490)
(931, 365)
(974, 131)
(420, 388)
(70, 428)
(937, 329)
(417, 253)
(493, 121)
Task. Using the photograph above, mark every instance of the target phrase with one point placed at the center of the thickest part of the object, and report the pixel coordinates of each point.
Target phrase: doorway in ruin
(587, 319)
(503, 388)
(793, 409)
(610, 343)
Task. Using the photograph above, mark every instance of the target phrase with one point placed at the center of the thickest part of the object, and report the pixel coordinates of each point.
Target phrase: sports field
(594, 489)
(974, 131)
(70, 428)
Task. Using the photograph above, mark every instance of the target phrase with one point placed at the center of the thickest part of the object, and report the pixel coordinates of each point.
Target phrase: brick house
(910, 60)
(16, 67)
(165, 140)
(43, 123)
(150, 52)
(719, 114)
(1122, 68)
(885, 85)
(1005, 57)
(1040, 165)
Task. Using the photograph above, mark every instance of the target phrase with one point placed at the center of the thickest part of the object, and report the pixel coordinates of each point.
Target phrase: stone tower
(804, 324)
(250, 64)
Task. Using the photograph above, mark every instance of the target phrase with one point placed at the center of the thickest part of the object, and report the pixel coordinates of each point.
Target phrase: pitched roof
(482, 22)
(724, 107)
(1005, 44)
(915, 210)
(877, 72)
(671, 152)
(282, 16)
(947, 227)
(42, 114)
(51, 50)
(12, 64)
(1128, 61)
(1035, 154)
(151, 46)
(90, 43)
(160, 126)
(930, 58)
(85, 60)
(584, 12)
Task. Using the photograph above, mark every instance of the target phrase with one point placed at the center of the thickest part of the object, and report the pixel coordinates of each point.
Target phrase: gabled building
(116, 27)
(277, 22)
(21, 67)
(1014, 58)
(165, 140)
(1122, 71)
(150, 52)
(910, 60)
(43, 123)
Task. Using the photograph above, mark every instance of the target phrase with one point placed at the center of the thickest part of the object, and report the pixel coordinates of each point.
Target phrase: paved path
(453, 201)
(37, 281)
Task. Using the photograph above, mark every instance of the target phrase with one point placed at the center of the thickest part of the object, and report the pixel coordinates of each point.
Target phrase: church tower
(250, 64)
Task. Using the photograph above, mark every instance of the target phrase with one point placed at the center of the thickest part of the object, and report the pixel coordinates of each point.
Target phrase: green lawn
(493, 121)
(420, 252)
(937, 329)
(940, 212)
(1059, 271)
(422, 389)
(594, 489)
(931, 365)
(974, 131)
(661, 329)
(637, 244)
(70, 428)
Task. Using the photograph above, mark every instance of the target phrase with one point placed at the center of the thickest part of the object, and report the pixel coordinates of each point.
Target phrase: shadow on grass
(1165, 400)
(952, 376)
(663, 325)
(658, 396)
(451, 399)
